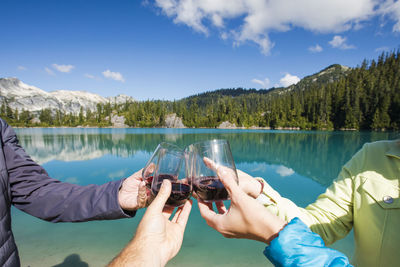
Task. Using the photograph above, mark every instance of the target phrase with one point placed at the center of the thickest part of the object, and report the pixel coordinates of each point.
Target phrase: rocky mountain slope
(23, 96)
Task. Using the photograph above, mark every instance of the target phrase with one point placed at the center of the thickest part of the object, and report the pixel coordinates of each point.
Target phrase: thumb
(142, 195)
(159, 202)
(149, 169)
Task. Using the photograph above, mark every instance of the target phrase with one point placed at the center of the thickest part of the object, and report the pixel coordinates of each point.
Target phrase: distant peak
(335, 66)
(10, 79)
(13, 80)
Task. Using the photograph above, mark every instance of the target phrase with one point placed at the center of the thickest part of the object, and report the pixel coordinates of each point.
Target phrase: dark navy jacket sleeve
(34, 192)
(296, 245)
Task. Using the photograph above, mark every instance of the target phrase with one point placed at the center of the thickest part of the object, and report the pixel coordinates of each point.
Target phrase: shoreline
(216, 128)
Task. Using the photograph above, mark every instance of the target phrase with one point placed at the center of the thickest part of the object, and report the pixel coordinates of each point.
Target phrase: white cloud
(340, 42)
(264, 83)
(391, 8)
(315, 49)
(288, 80)
(224, 35)
(284, 171)
(87, 75)
(21, 68)
(113, 75)
(49, 71)
(260, 168)
(63, 68)
(117, 174)
(255, 19)
(382, 49)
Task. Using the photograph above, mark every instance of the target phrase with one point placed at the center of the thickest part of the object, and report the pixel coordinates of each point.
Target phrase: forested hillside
(365, 97)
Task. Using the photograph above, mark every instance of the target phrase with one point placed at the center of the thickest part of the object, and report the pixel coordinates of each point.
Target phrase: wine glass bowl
(205, 181)
(150, 167)
(169, 166)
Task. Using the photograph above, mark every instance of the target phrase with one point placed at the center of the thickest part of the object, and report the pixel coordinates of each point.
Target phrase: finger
(208, 204)
(242, 174)
(176, 216)
(150, 197)
(167, 211)
(184, 214)
(137, 175)
(228, 179)
(142, 195)
(178, 213)
(221, 207)
(149, 169)
(208, 214)
(159, 202)
(194, 195)
(224, 173)
(210, 163)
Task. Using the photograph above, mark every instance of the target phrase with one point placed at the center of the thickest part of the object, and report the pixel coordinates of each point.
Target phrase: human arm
(33, 191)
(331, 215)
(157, 238)
(246, 217)
(296, 245)
(290, 245)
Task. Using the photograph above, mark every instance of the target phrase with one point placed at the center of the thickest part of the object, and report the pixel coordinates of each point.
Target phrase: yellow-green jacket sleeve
(330, 216)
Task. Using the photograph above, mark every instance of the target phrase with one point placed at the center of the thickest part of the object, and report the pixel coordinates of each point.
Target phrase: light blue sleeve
(296, 245)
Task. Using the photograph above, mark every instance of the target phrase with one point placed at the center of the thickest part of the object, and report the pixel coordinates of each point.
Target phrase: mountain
(23, 96)
(362, 98)
(330, 74)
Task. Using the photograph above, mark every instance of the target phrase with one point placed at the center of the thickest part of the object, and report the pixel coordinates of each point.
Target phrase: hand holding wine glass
(132, 194)
(246, 217)
(158, 238)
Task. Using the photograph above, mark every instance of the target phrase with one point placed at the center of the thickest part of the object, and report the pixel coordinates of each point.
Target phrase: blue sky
(169, 49)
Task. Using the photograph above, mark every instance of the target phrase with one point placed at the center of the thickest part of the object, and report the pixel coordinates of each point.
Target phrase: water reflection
(95, 156)
(317, 155)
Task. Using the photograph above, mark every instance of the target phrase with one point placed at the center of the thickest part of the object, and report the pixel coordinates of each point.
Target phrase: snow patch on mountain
(23, 96)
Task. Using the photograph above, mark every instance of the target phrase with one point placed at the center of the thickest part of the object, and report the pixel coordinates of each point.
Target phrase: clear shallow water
(298, 164)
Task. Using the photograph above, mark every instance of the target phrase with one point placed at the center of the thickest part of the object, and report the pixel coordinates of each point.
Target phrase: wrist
(147, 253)
(269, 227)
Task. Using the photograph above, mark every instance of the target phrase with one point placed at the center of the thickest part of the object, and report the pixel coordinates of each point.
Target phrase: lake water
(298, 164)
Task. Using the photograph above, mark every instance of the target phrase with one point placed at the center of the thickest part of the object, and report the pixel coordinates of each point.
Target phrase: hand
(246, 217)
(132, 195)
(249, 184)
(157, 238)
(148, 173)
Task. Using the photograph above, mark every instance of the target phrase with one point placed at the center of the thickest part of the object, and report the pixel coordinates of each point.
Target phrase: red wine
(148, 181)
(180, 192)
(209, 188)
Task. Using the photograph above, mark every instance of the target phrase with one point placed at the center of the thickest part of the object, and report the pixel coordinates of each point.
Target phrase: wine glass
(150, 167)
(170, 166)
(206, 183)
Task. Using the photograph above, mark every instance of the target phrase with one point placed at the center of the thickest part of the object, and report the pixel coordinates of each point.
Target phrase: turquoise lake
(298, 164)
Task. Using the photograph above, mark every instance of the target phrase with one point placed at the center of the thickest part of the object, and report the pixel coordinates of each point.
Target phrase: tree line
(363, 98)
